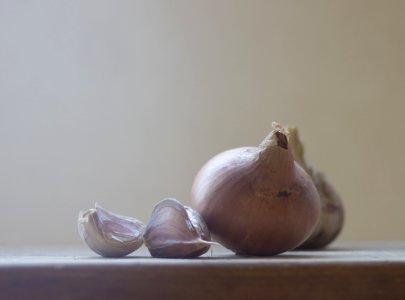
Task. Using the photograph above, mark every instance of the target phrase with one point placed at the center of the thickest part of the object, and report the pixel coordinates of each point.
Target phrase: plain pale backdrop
(121, 102)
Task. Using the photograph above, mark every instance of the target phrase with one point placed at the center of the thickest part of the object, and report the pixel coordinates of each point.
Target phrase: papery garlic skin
(331, 220)
(109, 234)
(176, 231)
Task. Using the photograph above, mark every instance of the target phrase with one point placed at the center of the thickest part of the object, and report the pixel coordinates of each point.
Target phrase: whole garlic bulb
(176, 231)
(257, 200)
(109, 234)
(331, 219)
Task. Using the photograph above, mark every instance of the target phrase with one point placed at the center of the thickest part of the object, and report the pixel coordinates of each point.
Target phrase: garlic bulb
(109, 234)
(331, 220)
(257, 200)
(176, 231)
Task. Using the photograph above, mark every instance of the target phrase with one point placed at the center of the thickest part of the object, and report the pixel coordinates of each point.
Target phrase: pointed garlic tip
(176, 231)
(277, 127)
(297, 148)
(109, 234)
(277, 137)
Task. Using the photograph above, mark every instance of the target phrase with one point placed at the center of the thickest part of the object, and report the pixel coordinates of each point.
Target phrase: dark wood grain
(346, 271)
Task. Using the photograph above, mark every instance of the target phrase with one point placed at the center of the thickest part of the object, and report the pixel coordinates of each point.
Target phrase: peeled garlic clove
(331, 219)
(176, 231)
(109, 234)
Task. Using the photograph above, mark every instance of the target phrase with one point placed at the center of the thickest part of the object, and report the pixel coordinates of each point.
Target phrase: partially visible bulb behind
(331, 219)
(109, 234)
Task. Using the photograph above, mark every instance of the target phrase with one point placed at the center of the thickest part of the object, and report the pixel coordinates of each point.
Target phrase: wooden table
(343, 271)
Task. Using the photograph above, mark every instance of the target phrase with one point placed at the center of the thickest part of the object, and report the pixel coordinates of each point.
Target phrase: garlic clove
(198, 223)
(176, 231)
(109, 234)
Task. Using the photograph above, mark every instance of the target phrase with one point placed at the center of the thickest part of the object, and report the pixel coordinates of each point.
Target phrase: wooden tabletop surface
(361, 270)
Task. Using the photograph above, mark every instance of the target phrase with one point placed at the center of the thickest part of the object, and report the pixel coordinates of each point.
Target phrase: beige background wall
(121, 102)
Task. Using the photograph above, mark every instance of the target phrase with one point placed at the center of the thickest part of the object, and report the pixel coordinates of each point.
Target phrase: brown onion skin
(257, 200)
